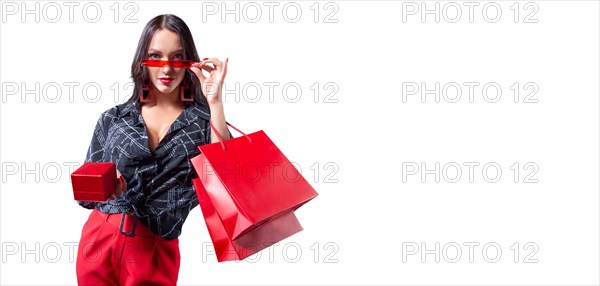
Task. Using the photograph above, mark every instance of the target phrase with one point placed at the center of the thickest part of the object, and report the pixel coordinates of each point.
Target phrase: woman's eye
(158, 57)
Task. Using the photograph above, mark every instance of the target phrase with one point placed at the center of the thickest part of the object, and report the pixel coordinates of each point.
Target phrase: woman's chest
(132, 141)
(158, 123)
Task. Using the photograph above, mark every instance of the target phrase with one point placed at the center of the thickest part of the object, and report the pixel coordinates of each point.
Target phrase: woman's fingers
(218, 65)
(216, 62)
(204, 66)
(120, 186)
(123, 185)
(207, 68)
(216, 69)
(198, 72)
(225, 66)
(113, 196)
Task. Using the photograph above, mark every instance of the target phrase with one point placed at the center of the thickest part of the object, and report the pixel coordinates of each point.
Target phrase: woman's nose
(166, 69)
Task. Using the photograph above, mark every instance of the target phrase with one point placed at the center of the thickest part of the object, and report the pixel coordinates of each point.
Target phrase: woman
(132, 238)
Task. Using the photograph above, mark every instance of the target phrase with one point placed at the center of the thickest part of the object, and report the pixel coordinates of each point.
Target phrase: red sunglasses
(174, 64)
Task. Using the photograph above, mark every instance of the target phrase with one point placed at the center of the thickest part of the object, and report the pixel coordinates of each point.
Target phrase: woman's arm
(217, 117)
(211, 87)
(95, 152)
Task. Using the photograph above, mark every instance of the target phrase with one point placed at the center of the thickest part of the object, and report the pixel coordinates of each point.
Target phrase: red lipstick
(165, 80)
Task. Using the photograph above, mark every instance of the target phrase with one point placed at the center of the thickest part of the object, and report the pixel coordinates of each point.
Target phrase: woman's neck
(167, 100)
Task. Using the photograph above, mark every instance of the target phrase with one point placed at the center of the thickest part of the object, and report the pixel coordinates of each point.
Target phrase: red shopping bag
(250, 243)
(249, 182)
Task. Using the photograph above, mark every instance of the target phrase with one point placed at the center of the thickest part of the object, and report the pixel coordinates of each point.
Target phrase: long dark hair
(139, 74)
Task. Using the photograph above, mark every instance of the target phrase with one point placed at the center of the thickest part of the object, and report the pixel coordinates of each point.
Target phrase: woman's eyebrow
(159, 52)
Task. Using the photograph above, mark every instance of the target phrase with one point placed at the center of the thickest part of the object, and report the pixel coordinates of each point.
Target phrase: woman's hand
(213, 84)
(120, 186)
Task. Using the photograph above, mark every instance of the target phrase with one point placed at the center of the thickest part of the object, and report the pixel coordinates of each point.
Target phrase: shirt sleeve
(95, 152)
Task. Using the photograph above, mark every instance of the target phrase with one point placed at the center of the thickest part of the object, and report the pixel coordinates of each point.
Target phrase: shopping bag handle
(221, 139)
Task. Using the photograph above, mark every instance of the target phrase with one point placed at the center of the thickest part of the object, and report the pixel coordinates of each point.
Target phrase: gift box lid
(97, 169)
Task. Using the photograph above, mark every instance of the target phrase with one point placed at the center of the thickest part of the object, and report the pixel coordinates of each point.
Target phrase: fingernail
(205, 59)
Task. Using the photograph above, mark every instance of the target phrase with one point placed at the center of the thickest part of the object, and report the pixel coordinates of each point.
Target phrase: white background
(363, 223)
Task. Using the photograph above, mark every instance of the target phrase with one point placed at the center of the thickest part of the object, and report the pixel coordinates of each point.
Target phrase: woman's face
(165, 45)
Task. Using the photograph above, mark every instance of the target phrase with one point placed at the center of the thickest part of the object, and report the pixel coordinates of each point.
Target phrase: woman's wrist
(216, 105)
(217, 119)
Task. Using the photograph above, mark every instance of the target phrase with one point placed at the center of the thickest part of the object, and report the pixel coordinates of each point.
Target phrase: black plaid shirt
(159, 184)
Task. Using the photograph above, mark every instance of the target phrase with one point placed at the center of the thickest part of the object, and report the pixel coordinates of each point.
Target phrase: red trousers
(107, 256)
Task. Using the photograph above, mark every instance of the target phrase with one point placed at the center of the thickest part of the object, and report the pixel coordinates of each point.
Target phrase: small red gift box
(94, 181)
